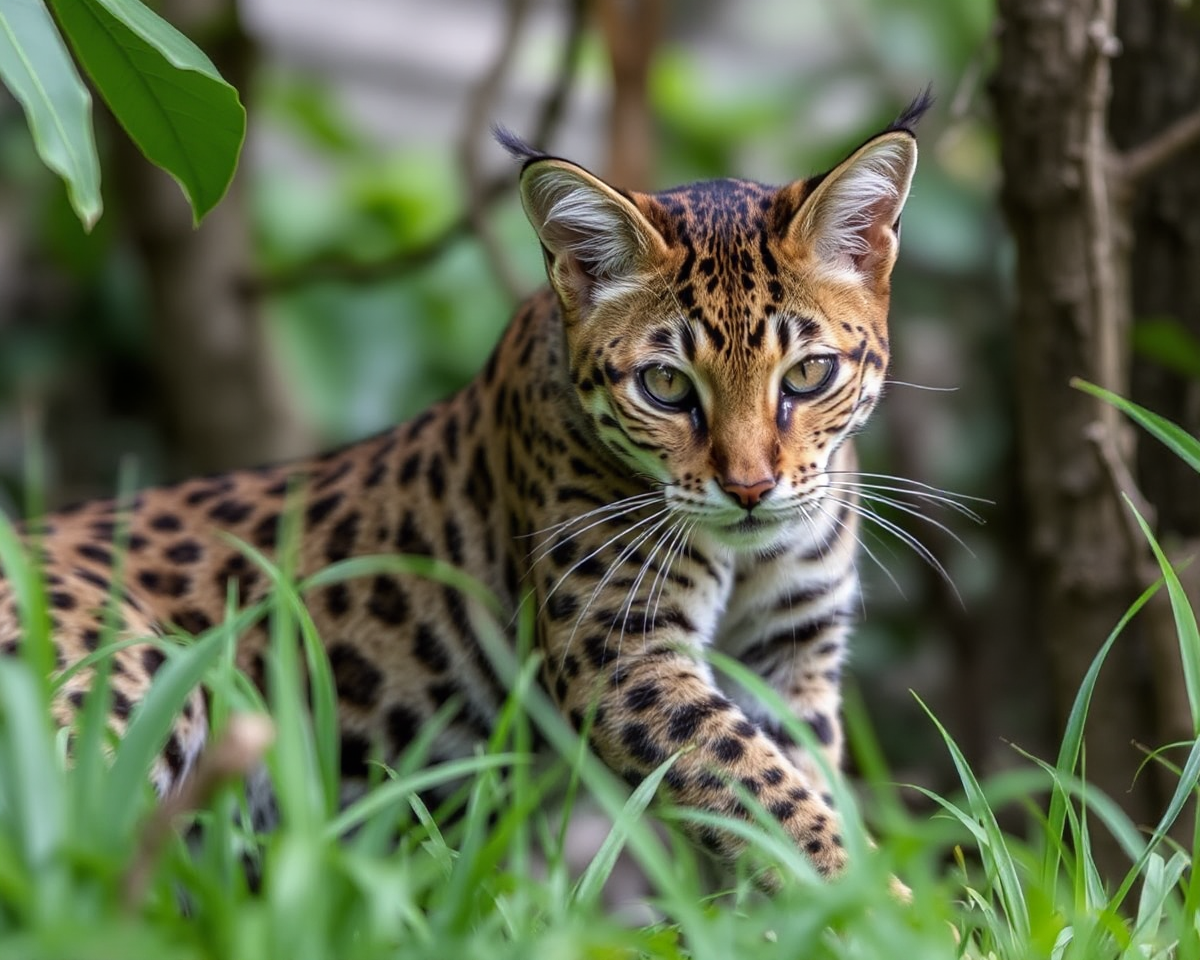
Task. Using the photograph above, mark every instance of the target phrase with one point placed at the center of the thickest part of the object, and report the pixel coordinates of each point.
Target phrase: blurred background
(372, 249)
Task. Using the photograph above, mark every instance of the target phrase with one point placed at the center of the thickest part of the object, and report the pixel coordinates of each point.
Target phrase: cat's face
(727, 337)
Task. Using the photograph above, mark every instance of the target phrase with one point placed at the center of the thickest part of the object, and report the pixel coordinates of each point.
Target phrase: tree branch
(1138, 163)
(340, 268)
(479, 109)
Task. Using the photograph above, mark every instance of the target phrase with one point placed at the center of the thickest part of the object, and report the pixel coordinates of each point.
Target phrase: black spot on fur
(342, 538)
(430, 650)
(436, 476)
(375, 475)
(95, 552)
(409, 469)
(152, 659)
(822, 728)
(598, 651)
(321, 509)
(728, 749)
(61, 600)
(337, 599)
(185, 551)
(356, 678)
(454, 541)
(644, 696)
(355, 751)
(409, 538)
(192, 621)
(333, 476)
(402, 724)
(166, 522)
(782, 809)
(686, 719)
(388, 602)
(266, 532)
(231, 511)
(561, 605)
(173, 755)
(164, 584)
(641, 744)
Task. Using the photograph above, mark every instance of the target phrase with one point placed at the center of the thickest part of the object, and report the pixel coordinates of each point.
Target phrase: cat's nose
(748, 494)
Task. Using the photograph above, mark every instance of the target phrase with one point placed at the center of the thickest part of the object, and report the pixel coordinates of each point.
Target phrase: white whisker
(617, 536)
(626, 552)
(920, 386)
(865, 549)
(852, 489)
(556, 540)
(905, 536)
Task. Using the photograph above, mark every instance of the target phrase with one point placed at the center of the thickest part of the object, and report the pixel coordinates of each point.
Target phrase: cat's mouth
(751, 524)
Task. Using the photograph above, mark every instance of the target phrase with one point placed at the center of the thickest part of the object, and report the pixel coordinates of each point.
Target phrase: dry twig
(479, 110)
(343, 269)
(1136, 164)
(239, 751)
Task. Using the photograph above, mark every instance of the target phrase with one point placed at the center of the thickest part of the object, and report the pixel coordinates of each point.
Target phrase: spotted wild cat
(658, 455)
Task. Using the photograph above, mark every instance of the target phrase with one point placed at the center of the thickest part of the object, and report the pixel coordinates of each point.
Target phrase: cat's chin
(754, 534)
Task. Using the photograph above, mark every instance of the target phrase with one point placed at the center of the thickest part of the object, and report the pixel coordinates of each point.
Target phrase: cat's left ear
(597, 242)
(849, 224)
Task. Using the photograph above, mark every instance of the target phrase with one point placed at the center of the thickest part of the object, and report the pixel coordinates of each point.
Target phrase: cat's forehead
(715, 212)
(727, 287)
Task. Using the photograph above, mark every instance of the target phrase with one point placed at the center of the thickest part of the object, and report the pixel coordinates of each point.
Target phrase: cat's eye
(668, 386)
(810, 376)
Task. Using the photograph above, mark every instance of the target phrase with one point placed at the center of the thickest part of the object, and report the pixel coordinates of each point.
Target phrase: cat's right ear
(596, 240)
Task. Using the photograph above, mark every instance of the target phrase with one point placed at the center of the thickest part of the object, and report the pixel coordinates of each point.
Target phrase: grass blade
(1185, 620)
(995, 851)
(150, 727)
(591, 883)
(1178, 440)
(1072, 742)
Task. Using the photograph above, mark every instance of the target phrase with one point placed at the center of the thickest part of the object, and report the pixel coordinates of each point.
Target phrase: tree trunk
(631, 30)
(1157, 81)
(1051, 93)
(222, 400)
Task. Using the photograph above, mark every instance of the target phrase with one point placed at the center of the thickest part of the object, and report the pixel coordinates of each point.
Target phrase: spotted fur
(646, 457)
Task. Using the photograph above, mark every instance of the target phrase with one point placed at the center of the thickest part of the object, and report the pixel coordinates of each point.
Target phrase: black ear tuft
(517, 148)
(913, 112)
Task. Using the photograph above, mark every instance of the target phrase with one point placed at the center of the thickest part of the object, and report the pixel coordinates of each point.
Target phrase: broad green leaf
(163, 90)
(36, 68)
(1182, 443)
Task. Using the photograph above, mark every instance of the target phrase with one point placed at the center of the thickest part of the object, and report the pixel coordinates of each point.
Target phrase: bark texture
(222, 400)
(1156, 82)
(1051, 91)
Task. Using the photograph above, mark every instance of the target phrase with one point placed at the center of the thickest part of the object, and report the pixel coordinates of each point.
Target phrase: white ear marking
(585, 223)
(845, 218)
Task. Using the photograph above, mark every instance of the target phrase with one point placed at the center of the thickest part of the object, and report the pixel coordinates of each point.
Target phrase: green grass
(86, 872)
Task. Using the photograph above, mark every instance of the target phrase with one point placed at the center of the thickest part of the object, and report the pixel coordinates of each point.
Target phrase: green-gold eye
(810, 376)
(668, 386)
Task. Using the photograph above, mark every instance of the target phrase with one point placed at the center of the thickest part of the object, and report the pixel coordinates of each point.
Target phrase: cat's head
(726, 337)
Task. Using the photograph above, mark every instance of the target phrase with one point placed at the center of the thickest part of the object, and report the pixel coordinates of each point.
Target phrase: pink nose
(748, 494)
